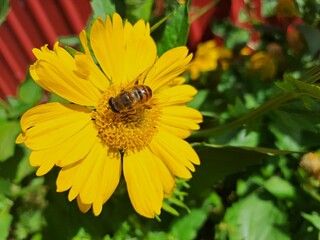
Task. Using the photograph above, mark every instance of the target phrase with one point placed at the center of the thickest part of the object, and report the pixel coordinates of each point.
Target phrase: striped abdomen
(130, 98)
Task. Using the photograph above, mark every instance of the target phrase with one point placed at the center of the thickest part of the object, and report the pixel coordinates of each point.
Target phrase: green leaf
(4, 10)
(175, 31)
(256, 217)
(8, 134)
(101, 8)
(312, 37)
(23, 167)
(29, 92)
(17, 107)
(5, 216)
(303, 87)
(157, 236)
(4, 186)
(138, 9)
(218, 162)
(199, 99)
(161, 21)
(280, 188)
(313, 218)
(236, 37)
(267, 151)
(67, 41)
(187, 226)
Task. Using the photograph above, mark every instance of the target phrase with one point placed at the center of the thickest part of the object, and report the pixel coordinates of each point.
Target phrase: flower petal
(123, 51)
(88, 68)
(73, 149)
(148, 179)
(93, 179)
(170, 65)
(107, 42)
(180, 94)
(176, 153)
(83, 207)
(55, 72)
(141, 51)
(181, 117)
(51, 124)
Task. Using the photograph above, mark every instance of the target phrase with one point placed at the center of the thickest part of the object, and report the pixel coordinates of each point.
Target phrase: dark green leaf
(138, 9)
(8, 134)
(23, 168)
(217, 162)
(267, 151)
(4, 10)
(306, 88)
(312, 37)
(175, 31)
(5, 186)
(255, 217)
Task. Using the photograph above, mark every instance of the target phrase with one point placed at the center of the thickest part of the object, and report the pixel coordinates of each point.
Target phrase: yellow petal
(55, 72)
(107, 42)
(177, 154)
(93, 179)
(83, 207)
(123, 51)
(84, 170)
(87, 67)
(177, 131)
(50, 124)
(147, 180)
(141, 51)
(183, 112)
(176, 95)
(111, 173)
(181, 117)
(20, 138)
(73, 149)
(168, 67)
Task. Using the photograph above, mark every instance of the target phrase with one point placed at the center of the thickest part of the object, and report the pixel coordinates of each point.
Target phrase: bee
(134, 95)
(131, 97)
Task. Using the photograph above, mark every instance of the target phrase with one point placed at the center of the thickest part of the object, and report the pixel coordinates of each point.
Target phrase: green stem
(250, 116)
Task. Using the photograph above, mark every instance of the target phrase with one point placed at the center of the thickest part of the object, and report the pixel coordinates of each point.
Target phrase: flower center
(130, 129)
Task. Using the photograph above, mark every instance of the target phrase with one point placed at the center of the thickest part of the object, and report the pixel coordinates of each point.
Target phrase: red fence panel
(33, 23)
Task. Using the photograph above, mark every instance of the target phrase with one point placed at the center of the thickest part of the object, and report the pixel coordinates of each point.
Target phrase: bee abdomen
(113, 105)
(144, 92)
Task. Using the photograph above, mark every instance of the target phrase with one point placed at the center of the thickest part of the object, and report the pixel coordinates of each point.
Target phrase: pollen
(127, 131)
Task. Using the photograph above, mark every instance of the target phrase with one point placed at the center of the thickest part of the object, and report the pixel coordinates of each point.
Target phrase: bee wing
(138, 80)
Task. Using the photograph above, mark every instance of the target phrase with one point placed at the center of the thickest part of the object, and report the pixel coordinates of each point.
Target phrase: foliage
(257, 126)
(4, 9)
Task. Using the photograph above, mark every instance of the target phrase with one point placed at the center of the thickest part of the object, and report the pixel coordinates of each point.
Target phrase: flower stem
(250, 116)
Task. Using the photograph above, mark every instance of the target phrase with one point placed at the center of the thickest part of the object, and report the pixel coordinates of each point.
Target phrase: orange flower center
(130, 129)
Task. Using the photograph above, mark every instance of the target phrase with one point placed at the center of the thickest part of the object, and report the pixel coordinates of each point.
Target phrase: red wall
(30, 24)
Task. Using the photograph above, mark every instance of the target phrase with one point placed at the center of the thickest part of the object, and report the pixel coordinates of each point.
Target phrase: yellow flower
(92, 143)
(286, 8)
(262, 65)
(207, 58)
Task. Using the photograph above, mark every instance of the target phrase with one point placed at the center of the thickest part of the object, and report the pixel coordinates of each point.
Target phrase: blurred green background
(261, 117)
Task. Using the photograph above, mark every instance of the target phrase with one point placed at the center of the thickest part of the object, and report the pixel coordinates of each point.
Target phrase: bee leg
(147, 106)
